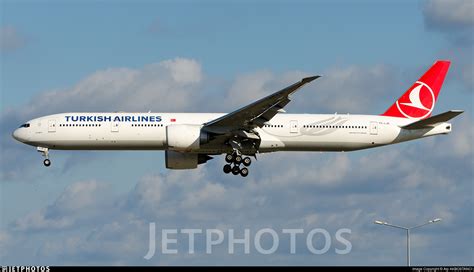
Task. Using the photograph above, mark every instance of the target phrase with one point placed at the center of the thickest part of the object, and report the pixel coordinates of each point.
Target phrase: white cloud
(10, 39)
(449, 14)
(184, 71)
(249, 87)
(461, 138)
(152, 87)
(76, 203)
(330, 191)
(209, 195)
(298, 190)
(178, 85)
(148, 193)
(171, 85)
(353, 89)
(455, 21)
(38, 220)
(78, 196)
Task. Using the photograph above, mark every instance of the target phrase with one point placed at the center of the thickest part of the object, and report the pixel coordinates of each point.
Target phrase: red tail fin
(419, 100)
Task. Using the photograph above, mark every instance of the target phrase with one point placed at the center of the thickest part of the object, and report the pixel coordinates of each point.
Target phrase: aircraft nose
(17, 135)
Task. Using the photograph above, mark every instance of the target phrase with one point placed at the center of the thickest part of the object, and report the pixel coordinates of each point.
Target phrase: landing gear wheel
(235, 170)
(227, 168)
(247, 161)
(229, 158)
(47, 162)
(244, 172)
(238, 159)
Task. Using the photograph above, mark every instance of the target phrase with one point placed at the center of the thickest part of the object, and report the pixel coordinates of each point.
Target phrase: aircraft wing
(433, 120)
(255, 114)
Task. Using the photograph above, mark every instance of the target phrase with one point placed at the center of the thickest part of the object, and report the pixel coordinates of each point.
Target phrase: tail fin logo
(419, 103)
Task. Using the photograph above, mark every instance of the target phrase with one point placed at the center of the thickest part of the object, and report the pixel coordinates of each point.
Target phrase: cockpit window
(25, 125)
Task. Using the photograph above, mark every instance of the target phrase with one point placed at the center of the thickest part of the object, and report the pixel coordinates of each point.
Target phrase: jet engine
(181, 160)
(185, 137)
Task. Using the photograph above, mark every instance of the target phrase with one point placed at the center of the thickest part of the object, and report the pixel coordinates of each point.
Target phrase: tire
(229, 158)
(244, 172)
(47, 162)
(227, 168)
(238, 159)
(247, 161)
(235, 170)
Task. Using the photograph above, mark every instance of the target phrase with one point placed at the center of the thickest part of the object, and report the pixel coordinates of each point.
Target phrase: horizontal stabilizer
(434, 120)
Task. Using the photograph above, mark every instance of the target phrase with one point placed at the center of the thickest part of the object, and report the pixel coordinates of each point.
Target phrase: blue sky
(124, 55)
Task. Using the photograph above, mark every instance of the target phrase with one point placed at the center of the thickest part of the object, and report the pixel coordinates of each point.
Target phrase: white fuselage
(285, 132)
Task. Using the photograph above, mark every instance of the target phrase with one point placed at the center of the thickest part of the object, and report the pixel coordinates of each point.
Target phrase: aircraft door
(52, 125)
(294, 126)
(114, 126)
(374, 128)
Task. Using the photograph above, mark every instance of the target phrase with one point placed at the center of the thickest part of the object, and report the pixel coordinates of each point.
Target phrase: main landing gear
(45, 152)
(234, 161)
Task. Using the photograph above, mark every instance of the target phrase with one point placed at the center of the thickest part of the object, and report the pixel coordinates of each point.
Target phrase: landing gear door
(374, 128)
(293, 126)
(52, 125)
(115, 126)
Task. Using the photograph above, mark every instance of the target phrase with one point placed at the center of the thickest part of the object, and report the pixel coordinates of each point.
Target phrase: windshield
(25, 125)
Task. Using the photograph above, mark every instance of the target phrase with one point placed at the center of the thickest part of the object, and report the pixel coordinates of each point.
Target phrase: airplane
(191, 139)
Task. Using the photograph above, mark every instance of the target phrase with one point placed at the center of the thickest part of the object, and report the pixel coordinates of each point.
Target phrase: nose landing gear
(234, 160)
(45, 153)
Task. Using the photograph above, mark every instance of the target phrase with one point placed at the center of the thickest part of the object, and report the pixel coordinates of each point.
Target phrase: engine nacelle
(180, 160)
(185, 137)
